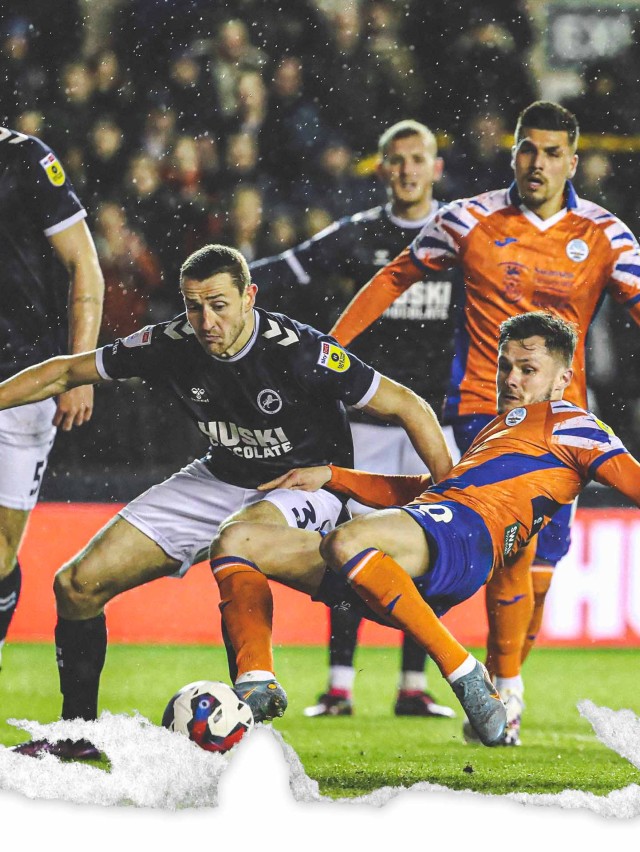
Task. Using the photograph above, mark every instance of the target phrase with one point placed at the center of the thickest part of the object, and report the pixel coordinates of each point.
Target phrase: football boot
(266, 698)
(481, 702)
(417, 703)
(331, 703)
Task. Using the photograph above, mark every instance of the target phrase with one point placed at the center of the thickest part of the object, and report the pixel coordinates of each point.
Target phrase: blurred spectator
(113, 93)
(233, 53)
(106, 159)
(335, 187)
(293, 130)
(71, 117)
(485, 73)
(352, 80)
(24, 81)
(601, 107)
(282, 232)
(131, 273)
(596, 181)
(191, 94)
(159, 131)
(242, 167)
(30, 122)
(478, 161)
(251, 97)
(246, 230)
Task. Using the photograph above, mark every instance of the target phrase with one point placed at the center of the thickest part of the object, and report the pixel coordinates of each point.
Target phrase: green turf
(352, 756)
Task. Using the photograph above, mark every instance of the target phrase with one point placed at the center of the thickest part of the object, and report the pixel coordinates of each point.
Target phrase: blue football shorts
(461, 557)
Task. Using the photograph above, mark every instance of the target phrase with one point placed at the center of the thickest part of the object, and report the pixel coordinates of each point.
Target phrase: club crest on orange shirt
(517, 415)
(513, 281)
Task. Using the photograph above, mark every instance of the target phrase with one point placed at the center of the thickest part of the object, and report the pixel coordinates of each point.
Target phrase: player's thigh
(286, 554)
(392, 531)
(118, 557)
(261, 513)
(26, 438)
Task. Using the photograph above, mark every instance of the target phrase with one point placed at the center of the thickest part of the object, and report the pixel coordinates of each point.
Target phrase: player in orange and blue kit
(441, 542)
(535, 245)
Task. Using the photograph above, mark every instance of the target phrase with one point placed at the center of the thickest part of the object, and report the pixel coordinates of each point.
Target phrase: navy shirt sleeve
(327, 368)
(141, 354)
(55, 203)
(323, 253)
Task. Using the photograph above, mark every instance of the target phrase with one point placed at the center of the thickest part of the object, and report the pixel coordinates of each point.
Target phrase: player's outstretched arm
(50, 378)
(623, 473)
(375, 297)
(74, 246)
(377, 490)
(396, 403)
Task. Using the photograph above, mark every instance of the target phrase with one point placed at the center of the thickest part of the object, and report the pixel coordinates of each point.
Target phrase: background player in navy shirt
(269, 393)
(354, 249)
(50, 303)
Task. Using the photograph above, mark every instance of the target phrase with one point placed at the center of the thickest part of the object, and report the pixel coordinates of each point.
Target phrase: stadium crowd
(186, 122)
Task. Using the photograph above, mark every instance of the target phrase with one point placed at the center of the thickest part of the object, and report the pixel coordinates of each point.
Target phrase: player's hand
(75, 407)
(300, 479)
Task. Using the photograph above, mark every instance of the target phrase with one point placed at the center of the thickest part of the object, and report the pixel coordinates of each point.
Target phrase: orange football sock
(392, 594)
(541, 576)
(509, 607)
(246, 605)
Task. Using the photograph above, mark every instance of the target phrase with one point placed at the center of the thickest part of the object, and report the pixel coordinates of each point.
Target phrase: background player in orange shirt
(409, 565)
(534, 245)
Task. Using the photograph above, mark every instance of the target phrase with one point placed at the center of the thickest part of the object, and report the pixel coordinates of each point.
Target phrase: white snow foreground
(154, 768)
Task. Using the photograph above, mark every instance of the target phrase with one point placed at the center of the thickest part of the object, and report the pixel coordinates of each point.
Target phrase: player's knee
(337, 547)
(8, 556)
(75, 594)
(235, 539)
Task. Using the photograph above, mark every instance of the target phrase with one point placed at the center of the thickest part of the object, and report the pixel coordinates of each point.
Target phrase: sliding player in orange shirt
(407, 566)
(534, 245)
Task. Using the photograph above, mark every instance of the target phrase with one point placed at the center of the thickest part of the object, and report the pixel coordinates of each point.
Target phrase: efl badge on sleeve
(54, 170)
(334, 358)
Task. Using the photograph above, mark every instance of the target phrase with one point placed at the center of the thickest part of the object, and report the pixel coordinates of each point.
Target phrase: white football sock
(258, 674)
(413, 681)
(463, 669)
(342, 677)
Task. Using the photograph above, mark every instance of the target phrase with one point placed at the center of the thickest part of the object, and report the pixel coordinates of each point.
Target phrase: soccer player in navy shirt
(269, 393)
(355, 248)
(51, 303)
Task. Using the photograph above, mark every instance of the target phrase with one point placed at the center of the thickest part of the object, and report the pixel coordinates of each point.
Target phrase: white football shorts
(26, 437)
(183, 513)
(387, 449)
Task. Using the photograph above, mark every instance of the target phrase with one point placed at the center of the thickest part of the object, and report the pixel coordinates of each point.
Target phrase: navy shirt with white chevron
(412, 342)
(37, 201)
(279, 403)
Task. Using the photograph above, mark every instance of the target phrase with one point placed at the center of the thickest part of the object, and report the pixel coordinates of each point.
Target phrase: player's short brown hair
(560, 336)
(214, 259)
(547, 115)
(401, 130)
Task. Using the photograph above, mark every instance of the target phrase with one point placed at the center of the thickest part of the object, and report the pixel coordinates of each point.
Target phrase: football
(210, 714)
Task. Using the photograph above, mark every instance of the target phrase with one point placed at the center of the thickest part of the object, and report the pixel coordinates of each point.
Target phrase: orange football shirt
(512, 262)
(520, 469)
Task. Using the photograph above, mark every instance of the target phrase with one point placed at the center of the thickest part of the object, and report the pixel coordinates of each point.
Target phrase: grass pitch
(372, 749)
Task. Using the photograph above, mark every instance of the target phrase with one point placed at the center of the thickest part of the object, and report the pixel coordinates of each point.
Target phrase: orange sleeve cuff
(376, 489)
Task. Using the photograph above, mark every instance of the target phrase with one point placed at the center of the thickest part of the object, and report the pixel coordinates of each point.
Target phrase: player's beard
(229, 338)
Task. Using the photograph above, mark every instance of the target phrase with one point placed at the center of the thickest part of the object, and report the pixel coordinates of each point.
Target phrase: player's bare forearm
(48, 379)
(398, 404)
(75, 248)
(86, 294)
